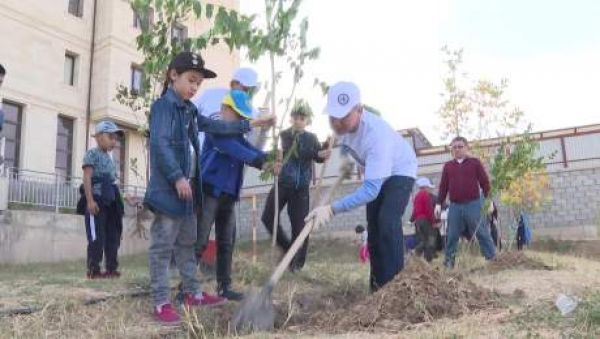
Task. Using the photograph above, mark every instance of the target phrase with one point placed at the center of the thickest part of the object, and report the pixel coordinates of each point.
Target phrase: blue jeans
(384, 224)
(467, 216)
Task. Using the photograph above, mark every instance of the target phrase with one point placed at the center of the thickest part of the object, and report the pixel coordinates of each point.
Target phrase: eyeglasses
(458, 146)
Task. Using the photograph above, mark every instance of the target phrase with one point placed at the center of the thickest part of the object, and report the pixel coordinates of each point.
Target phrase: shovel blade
(256, 312)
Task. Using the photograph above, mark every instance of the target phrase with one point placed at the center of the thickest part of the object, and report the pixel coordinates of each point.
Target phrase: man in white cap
(390, 168)
(209, 102)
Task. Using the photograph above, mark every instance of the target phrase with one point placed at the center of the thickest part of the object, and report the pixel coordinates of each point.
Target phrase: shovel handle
(308, 227)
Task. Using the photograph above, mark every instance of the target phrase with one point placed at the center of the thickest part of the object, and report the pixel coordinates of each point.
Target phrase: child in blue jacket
(222, 164)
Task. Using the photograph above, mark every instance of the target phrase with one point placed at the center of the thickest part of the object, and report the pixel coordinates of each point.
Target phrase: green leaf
(209, 10)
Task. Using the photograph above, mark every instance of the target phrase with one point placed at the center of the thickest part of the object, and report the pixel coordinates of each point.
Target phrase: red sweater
(423, 207)
(462, 181)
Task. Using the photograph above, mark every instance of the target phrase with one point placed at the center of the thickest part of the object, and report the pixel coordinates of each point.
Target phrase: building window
(64, 147)
(76, 8)
(70, 68)
(138, 20)
(137, 79)
(118, 155)
(178, 34)
(12, 131)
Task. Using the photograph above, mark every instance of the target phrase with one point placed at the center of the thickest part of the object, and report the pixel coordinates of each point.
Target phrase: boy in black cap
(300, 149)
(174, 172)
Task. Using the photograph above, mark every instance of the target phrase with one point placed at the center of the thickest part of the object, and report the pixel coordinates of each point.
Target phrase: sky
(548, 50)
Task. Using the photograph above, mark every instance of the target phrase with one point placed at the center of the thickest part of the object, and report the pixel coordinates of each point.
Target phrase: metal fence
(51, 191)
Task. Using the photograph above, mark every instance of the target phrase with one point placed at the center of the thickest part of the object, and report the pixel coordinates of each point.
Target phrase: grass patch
(333, 279)
(584, 322)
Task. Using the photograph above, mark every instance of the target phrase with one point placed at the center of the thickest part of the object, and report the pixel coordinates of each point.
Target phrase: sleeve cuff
(175, 176)
(245, 126)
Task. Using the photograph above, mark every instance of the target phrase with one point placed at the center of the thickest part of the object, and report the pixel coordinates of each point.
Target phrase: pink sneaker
(166, 314)
(203, 299)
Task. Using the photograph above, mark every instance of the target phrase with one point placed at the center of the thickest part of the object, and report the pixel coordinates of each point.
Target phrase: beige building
(50, 99)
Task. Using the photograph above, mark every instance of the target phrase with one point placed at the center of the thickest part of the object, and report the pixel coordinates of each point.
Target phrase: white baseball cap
(424, 182)
(341, 99)
(246, 76)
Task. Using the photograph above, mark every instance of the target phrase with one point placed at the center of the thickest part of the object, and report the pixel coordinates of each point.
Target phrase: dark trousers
(495, 237)
(220, 212)
(427, 235)
(104, 239)
(298, 204)
(384, 224)
(520, 237)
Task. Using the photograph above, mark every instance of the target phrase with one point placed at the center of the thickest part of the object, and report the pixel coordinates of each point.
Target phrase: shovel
(256, 311)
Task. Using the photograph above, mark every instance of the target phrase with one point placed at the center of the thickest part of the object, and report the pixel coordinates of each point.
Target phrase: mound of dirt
(420, 293)
(516, 260)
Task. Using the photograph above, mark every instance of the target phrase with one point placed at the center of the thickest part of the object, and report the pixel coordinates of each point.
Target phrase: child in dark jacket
(222, 163)
(172, 193)
(300, 149)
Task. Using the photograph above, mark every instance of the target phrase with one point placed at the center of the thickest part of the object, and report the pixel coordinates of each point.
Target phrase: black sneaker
(229, 294)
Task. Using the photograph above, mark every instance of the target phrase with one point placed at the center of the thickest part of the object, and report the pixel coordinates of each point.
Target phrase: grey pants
(172, 236)
(219, 211)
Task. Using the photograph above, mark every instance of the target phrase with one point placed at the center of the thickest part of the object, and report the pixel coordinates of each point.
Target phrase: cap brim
(118, 132)
(208, 74)
(336, 113)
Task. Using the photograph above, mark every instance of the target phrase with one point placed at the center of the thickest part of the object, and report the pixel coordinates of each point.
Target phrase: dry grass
(332, 280)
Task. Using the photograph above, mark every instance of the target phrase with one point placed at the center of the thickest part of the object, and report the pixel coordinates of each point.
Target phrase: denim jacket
(304, 147)
(174, 124)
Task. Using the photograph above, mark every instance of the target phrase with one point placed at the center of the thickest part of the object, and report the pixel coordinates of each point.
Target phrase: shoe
(112, 274)
(203, 299)
(166, 314)
(94, 275)
(229, 294)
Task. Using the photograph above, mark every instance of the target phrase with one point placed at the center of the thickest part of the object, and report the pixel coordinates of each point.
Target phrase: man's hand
(92, 207)
(264, 121)
(321, 216)
(491, 207)
(324, 154)
(437, 212)
(184, 190)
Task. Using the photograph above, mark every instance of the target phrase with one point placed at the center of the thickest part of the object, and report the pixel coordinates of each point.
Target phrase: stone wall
(573, 213)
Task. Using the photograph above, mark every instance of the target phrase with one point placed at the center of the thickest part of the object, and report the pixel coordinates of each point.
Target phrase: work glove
(320, 215)
(437, 212)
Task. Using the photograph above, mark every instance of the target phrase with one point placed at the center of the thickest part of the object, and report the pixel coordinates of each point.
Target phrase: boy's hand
(93, 208)
(437, 212)
(263, 121)
(324, 154)
(184, 190)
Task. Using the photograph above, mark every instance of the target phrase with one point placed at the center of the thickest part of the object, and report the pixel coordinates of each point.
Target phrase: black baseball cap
(191, 62)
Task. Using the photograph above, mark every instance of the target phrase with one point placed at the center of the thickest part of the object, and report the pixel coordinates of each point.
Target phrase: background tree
(158, 45)
(480, 110)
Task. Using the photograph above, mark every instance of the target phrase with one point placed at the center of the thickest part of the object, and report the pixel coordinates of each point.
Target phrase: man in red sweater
(462, 179)
(424, 219)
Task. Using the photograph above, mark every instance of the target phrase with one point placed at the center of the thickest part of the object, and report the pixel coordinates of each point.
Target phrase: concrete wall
(32, 236)
(29, 236)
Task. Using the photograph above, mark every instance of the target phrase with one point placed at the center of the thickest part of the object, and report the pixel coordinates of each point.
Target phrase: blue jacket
(304, 148)
(222, 164)
(173, 126)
